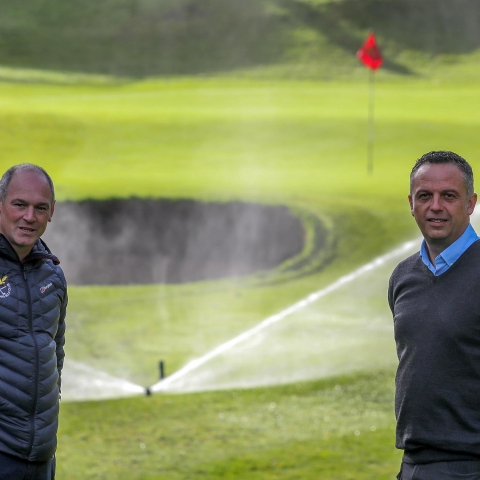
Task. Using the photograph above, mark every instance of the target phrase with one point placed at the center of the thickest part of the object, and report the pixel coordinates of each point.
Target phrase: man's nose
(29, 214)
(436, 203)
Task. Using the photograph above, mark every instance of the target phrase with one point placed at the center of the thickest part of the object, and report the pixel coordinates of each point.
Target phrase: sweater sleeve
(390, 292)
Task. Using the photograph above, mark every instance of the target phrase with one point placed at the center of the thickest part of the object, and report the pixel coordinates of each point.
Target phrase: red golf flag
(369, 53)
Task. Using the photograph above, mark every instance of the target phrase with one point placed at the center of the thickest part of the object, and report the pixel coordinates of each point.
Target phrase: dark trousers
(461, 470)
(14, 468)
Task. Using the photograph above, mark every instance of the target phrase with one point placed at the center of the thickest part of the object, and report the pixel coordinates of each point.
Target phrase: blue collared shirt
(451, 254)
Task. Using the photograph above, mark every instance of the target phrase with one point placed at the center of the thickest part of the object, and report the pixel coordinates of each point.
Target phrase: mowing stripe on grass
(164, 384)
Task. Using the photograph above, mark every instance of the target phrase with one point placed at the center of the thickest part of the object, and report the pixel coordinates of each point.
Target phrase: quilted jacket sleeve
(60, 340)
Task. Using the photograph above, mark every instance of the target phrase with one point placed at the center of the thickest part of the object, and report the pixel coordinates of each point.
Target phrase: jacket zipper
(37, 363)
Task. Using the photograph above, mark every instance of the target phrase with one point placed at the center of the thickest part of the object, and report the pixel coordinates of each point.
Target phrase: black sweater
(437, 332)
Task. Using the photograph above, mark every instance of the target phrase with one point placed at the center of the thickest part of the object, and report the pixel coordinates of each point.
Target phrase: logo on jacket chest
(5, 288)
(45, 287)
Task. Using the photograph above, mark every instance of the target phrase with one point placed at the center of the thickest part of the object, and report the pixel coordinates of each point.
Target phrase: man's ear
(472, 201)
(51, 211)
(410, 201)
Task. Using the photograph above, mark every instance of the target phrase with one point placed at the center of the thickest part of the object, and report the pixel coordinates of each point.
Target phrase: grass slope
(147, 37)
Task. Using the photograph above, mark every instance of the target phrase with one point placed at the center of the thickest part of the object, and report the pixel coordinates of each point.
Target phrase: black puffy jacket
(33, 301)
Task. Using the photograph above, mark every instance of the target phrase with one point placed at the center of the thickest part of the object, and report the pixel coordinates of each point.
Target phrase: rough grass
(317, 38)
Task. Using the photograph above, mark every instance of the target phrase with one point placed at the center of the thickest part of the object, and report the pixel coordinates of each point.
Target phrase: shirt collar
(451, 254)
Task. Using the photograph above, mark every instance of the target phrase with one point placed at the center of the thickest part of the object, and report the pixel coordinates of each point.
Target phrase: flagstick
(371, 98)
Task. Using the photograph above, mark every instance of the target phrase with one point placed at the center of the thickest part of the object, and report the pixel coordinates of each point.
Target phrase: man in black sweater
(435, 299)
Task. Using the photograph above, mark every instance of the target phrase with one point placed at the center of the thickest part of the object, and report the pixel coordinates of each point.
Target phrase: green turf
(331, 429)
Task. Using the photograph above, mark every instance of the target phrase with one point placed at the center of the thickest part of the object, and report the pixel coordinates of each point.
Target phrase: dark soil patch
(141, 241)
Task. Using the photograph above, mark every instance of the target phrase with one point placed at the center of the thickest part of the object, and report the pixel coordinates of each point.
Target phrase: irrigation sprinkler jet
(164, 384)
(369, 54)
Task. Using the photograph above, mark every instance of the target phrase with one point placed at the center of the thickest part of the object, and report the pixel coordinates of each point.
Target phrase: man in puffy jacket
(33, 300)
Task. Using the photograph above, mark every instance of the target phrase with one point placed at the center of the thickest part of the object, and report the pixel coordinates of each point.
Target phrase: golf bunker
(142, 241)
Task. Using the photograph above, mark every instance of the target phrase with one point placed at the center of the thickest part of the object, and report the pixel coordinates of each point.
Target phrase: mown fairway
(298, 143)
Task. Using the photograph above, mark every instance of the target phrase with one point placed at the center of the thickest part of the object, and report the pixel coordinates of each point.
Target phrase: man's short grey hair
(442, 156)
(8, 175)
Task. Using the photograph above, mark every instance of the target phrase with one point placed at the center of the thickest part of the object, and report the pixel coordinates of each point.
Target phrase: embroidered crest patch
(5, 288)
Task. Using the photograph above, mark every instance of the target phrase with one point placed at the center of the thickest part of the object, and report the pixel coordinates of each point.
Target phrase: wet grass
(341, 428)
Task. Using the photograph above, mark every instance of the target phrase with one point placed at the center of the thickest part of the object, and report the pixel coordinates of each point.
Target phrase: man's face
(27, 209)
(439, 203)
